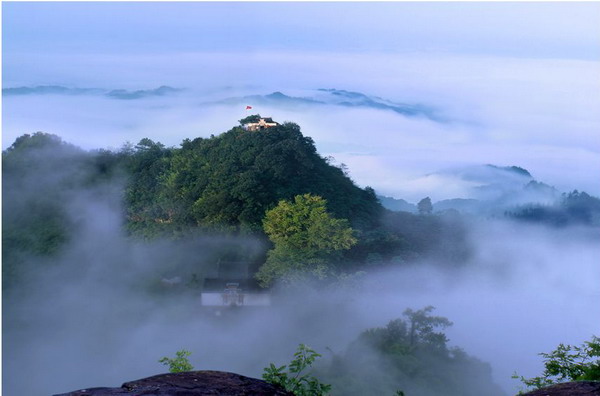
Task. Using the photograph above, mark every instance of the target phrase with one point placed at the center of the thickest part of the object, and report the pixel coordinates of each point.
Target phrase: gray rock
(191, 383)
(578, 388)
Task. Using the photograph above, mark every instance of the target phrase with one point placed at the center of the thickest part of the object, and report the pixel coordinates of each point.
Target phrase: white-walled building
(262, 123)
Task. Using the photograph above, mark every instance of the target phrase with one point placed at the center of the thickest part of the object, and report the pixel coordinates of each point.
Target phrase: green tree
(178, 364)
(422, 326)
(418, 330)
(294, 379)
(148, 212)
(410, 354)
(568, 363)
(306, 238)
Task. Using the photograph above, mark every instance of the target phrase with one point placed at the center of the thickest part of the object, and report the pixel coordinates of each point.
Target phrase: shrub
(180, 363)
(293, 380)
(568, 363)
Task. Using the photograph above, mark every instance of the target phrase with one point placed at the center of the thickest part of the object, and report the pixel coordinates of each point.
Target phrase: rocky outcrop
(191, 383)
(579, 388)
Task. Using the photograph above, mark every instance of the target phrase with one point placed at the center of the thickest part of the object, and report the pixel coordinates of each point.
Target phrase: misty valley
(241, 246)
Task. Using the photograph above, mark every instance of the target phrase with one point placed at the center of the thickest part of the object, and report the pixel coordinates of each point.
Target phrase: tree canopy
(224, 184)
(41, 173)
(306, 239)
(573, 208)
(410, 355)
(231, 180)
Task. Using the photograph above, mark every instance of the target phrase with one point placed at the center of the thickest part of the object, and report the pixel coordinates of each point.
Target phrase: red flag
(248, 107)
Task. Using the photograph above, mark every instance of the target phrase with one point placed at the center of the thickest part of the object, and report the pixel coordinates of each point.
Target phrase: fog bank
(88, 320)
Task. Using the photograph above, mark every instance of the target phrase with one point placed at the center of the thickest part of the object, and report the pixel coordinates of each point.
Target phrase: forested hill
(231, 180)
(223, 183)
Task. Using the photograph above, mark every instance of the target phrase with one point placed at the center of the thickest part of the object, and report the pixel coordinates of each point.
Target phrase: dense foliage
(232, 180)
(568, 363)
(573, 208)
(44, 180)
(307, 240)
(146, 209)
(409, 355)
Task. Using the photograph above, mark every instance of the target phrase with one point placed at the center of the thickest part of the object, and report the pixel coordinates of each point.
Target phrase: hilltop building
(259, 124)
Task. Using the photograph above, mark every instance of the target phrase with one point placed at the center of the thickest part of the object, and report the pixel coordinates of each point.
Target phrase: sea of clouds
(534, 113)
(87, 318)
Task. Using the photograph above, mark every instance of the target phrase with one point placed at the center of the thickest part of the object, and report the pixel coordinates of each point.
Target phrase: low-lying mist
(88, 318)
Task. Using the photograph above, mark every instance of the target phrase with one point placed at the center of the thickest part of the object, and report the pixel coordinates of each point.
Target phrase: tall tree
(414, 353)
(147, 210)
(306, 238)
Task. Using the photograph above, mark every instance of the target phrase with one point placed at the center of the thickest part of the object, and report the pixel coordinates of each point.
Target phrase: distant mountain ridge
(273, 99)
(397, 205)
(113, 94)
(510, 192)
(491, 189)
(357, 99)
(312, 98)
(337, 97)
(50, 90)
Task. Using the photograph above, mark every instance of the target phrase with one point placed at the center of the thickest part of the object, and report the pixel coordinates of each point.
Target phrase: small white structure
(233, 296)
(261, 124)
(209, 299)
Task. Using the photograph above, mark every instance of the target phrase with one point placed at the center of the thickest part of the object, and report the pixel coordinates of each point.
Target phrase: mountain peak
(514, 169)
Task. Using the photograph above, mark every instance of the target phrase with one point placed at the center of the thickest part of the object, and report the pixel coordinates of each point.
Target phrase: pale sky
(551, 29)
